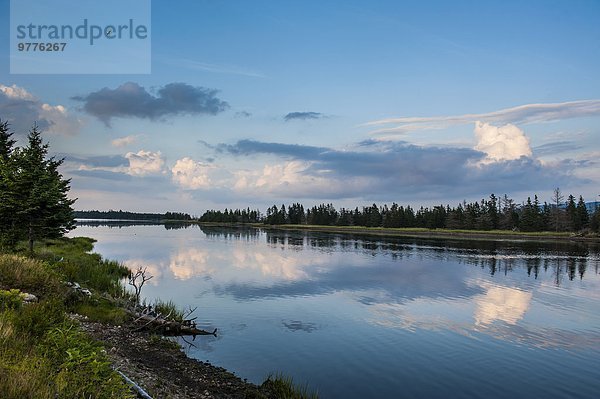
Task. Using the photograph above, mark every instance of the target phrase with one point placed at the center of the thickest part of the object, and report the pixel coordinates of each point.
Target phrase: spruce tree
(557, 212)
(7, 200)
(583, 217)
(572, 214)
(44, 209)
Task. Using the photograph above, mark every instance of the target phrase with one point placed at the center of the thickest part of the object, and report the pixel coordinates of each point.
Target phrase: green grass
(43, 354)
(11, 299)
(284, 388)
(72, 258)
(102, 311)
(168, 308)
(28, 275)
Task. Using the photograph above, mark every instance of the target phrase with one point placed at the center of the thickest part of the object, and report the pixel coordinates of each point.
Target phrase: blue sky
(255, 103)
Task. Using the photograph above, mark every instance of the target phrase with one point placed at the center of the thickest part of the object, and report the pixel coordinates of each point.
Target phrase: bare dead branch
(137, 281)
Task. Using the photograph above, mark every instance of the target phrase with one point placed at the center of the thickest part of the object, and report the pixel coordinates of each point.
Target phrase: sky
(255, 103)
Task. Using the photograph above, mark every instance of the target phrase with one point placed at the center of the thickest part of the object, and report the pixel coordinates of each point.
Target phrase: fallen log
(166, 326)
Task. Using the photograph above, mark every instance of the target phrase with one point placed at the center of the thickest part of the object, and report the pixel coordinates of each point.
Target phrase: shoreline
(164, 370)
(75, 293)
(470, 235)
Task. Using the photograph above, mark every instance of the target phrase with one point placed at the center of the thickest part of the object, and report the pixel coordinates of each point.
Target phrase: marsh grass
(284, 388)
(168, 308)
(74, 261)
(28, 275)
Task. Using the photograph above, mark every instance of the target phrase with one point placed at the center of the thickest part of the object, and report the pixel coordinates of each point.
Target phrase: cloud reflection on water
(505, 290)
(501, 303)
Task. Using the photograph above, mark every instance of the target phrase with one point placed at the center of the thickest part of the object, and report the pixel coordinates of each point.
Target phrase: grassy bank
(434, 233)
(45, 352)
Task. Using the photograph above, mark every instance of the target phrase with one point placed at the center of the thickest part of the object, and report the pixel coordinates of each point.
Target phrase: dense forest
(124, 215)
(494, 213)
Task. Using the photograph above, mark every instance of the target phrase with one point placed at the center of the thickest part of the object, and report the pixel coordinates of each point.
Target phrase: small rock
(28, 298)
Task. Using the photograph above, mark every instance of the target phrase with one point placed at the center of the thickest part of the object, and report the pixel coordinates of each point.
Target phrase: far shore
(487, 235)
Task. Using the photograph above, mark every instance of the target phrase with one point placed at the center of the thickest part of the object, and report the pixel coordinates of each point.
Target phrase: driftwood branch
(165, 325)
(150, 320)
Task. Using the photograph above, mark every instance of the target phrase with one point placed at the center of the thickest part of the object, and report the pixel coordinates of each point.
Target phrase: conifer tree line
(34, 202)
(488, 214)
(126, 215)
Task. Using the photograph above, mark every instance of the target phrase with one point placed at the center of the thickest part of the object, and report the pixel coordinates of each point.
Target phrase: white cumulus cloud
(501, 143)
(190, 174)
(144, 163)
(16, 93)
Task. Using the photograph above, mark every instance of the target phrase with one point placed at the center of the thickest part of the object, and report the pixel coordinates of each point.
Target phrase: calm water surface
(380, 318)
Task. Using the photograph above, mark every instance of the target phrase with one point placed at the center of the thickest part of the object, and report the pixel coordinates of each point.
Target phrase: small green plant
(11, 299)
(284, 388)
(82, 365)
(37, 318)
(50, 357)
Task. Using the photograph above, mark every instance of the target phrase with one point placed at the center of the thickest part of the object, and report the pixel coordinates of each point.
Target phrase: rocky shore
(161, 369)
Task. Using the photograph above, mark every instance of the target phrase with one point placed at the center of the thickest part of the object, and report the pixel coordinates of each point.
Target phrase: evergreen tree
(6, 141)
(572, 214)
(528, 217)
(509, 218)
(492, 210)
(557, 212)
(7, 192)
(583, 218)
(44, 209)
(595, 221)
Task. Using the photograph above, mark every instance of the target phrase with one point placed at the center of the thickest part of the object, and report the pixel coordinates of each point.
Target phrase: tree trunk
(30, 238)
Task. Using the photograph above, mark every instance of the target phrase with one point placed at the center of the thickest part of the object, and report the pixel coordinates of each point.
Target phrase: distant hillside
(125, 215)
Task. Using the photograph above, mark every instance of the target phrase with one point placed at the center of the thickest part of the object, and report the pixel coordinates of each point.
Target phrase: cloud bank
(501, 161)
(393, 170)
(134, 101)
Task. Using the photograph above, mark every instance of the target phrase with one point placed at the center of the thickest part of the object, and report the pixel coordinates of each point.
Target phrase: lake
(357, 317)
